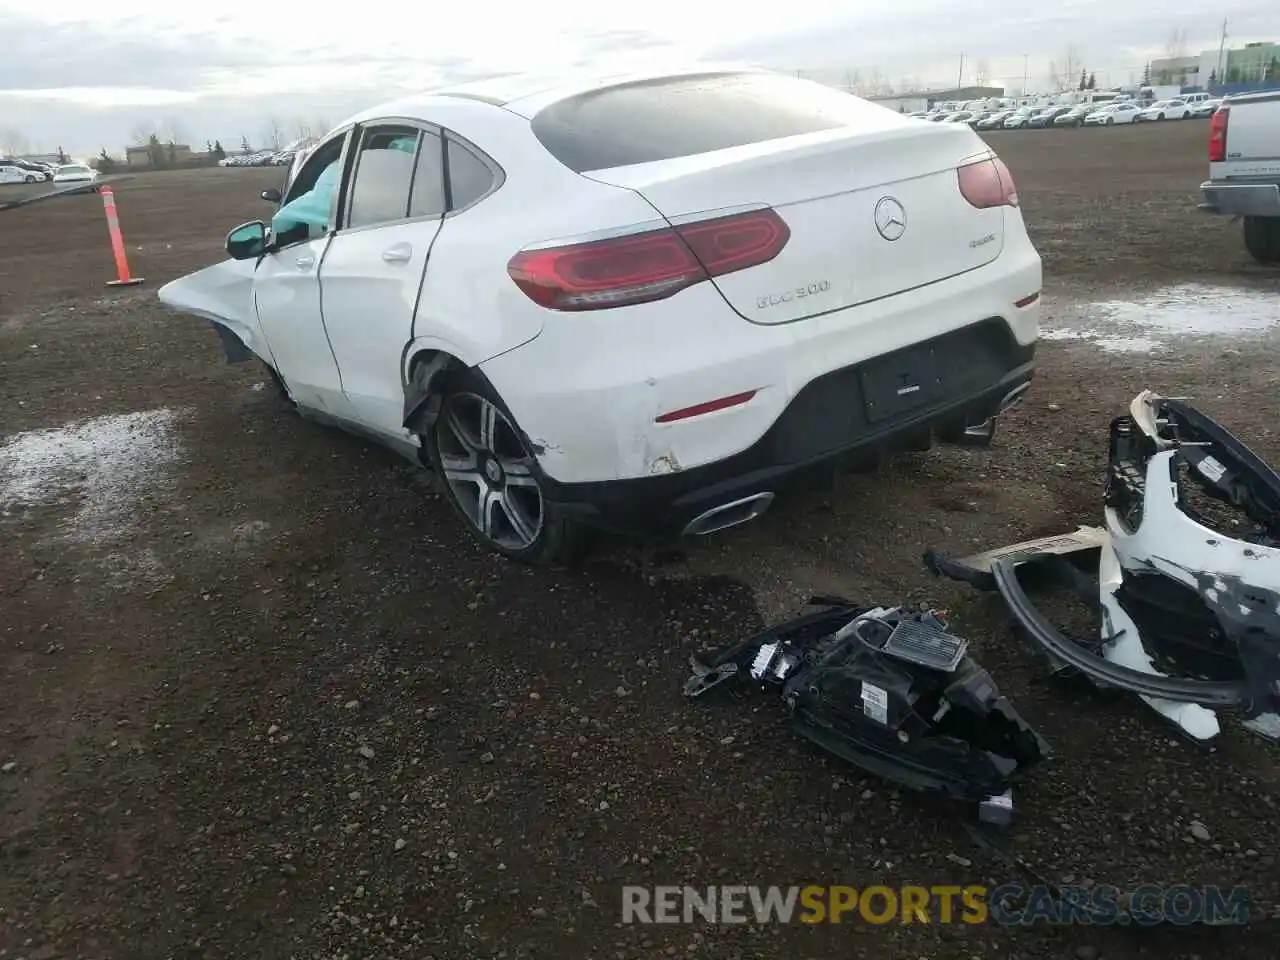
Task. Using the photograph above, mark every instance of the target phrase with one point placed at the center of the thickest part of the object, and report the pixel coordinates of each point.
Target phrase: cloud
(129, 53)
(78, 74)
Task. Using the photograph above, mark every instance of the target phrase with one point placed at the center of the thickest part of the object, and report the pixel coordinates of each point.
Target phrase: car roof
(526, 93)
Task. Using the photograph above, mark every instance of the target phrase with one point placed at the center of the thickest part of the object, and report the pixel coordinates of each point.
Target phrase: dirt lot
(263, 698)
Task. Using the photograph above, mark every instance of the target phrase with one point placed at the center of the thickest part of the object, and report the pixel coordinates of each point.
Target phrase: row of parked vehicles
(263, 158)
(1119, 110)
(34, 171)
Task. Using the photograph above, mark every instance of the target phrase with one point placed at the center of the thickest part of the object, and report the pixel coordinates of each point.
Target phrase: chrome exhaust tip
(1013, 397)
(728, 515)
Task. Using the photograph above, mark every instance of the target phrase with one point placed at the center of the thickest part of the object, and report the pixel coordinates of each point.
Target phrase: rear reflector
(988, 183)
(653, 265)
(1027, 301)
(709, 407)
(1218, 135)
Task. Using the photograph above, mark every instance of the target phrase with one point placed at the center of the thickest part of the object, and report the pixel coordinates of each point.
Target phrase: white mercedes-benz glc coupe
(643, 302)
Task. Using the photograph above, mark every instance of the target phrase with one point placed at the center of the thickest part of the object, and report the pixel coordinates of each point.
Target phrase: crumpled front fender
(223, 295)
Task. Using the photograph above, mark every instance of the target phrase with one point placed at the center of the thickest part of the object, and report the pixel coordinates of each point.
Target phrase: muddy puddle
(101, 471)
(1159, 322)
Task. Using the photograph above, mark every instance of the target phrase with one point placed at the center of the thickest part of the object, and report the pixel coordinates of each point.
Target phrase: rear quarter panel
(468, 298)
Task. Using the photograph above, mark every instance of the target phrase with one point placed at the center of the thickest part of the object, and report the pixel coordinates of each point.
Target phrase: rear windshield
(682, 116)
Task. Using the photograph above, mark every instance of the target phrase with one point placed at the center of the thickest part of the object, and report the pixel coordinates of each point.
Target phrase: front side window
(307, 210)
(383, 176)
(316, 163)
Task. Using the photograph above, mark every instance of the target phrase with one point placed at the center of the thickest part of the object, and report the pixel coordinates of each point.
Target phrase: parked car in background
(13, 171)
(1074, 116)
(993, 120)
(1019, 118)
(1205, 108)
(75, 173)
(1166, 110)
(1244, 179)
(1122, 112)
(1046, 116)
(42, 171)
(604, 219)
(964, 116)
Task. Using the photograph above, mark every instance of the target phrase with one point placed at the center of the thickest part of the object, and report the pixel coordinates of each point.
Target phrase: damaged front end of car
(892, 691)
(1187, 585)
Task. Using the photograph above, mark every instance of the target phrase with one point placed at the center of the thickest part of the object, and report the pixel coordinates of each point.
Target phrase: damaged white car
(644, 302)
(1188, 573)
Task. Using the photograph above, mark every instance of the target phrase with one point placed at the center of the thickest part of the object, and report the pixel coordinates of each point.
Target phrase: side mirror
(247, 241)
(271, 195)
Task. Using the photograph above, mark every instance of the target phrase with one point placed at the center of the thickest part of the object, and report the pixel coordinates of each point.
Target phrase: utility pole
(960, 78)
(1222, 43)
(1024, 74)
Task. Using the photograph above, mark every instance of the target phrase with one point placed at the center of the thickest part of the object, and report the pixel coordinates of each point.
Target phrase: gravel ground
(263, 698)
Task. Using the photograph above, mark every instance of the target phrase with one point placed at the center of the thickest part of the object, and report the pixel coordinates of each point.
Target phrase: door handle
(305, 262)
(400, 253)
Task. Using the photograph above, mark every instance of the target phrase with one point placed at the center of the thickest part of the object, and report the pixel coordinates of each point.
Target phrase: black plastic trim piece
(1206, 693)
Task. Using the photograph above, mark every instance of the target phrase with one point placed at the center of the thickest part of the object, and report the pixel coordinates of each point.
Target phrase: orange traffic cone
(123, 279)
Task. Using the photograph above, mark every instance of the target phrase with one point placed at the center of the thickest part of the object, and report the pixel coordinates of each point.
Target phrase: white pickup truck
(1244, 169)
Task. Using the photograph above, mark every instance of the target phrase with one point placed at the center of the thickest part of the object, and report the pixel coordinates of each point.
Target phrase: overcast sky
(85, 75)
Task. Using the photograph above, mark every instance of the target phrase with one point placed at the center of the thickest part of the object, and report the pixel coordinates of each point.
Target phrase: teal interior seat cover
(312, 207)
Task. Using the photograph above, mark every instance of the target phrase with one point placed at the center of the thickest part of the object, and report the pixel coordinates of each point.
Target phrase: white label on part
(875, 702)
(1212, 469)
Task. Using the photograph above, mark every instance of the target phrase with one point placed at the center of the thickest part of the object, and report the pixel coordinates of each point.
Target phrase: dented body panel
(223, 295)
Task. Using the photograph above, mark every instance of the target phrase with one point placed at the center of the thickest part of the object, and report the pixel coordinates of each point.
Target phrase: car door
(9, 174)
(372, 272)
(286, 289)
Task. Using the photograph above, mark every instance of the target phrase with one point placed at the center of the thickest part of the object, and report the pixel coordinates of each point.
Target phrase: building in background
(1253, 65)
(172, 155)
(1179, 71)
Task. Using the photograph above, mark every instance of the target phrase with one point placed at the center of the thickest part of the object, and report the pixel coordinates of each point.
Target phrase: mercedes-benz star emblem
(891, 219)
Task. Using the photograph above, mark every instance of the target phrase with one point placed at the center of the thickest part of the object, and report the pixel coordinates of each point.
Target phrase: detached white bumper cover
(223, 295)
(1190, 615)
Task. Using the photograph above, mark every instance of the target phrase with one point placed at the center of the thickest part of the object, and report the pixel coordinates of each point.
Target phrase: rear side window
(682, 116)
(469, 178)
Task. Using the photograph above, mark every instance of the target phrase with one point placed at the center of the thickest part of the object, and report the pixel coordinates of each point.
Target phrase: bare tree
(320, 126)
(982, 73)
(302, 128)
(12, 142)
(877, 84)
(1064, 73)
(274, 133)
(141, 133)
(1175, 47)
(172, 130)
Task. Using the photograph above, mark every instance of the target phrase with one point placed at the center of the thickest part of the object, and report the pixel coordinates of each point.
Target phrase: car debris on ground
(1184, 574)
(892, 691)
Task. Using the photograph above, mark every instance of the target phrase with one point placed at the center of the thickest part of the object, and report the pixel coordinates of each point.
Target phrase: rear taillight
(988, 183)
(653, 265)
(1218, 135)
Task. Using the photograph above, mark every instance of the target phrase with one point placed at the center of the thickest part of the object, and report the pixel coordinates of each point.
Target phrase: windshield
(72, 168)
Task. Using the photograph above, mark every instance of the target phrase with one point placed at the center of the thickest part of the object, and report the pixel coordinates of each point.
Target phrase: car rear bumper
(1241, 199)
(848, 417)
